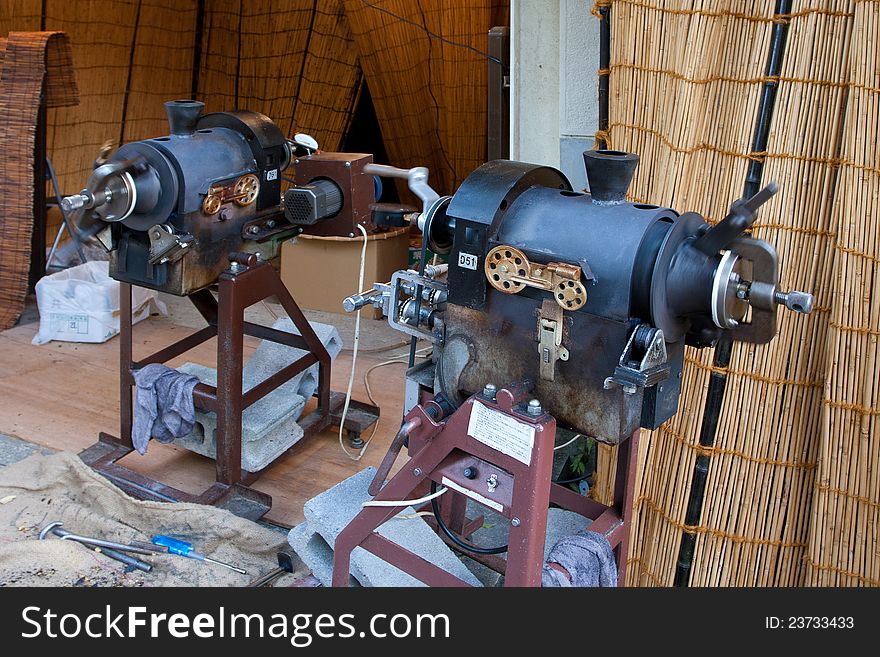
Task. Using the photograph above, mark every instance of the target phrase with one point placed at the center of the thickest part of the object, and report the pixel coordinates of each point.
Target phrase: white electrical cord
(354, 352)
(418, 502)
(576, 436)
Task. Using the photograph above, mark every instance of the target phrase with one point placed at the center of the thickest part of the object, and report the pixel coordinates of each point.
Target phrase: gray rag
(588, 558)
(163, 405)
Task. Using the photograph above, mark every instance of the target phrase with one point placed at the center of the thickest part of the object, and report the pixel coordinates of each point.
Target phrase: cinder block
(331, 511)
(269, 425)
(562, 523)
(315, 553)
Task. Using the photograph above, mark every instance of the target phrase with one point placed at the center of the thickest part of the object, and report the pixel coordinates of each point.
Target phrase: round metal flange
(727, 309)
(673, 327)
(502, 264)
(161, 182)
(435, 228)
(121, 194)
(246, 189)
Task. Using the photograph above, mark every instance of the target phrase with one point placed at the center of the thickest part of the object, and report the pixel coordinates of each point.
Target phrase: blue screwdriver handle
(184, 549)
(176, 546)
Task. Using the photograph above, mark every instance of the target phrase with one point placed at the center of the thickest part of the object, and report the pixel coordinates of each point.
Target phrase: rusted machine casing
(346, 171)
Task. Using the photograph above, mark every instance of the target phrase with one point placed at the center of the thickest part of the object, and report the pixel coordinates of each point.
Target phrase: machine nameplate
(502, 433)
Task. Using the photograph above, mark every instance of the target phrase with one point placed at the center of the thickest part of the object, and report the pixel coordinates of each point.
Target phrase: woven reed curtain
(130, 56)
(294, 62)
(685, 80)
(430, 95)
(843, 542)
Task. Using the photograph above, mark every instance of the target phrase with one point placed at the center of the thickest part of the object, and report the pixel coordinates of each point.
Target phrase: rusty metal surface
(442, 443)
(238, 290)
(478, 351)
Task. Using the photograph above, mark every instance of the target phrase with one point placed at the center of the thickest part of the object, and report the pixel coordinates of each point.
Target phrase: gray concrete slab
(331, 511)
(315, 553)
(269, 425)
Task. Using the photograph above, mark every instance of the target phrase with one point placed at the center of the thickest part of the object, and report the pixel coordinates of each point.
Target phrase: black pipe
(718, 379)
(197, 49)
(604, 72)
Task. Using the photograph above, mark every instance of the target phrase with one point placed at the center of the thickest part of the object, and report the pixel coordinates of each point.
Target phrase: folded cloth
(582, 559)
(163, 405)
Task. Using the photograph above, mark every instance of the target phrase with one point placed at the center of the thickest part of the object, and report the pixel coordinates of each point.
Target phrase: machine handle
(416, 178)
(743, 213)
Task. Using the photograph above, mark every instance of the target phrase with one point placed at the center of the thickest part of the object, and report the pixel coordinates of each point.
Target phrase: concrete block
(315, 553)
(562, 523)
(331, 511)
(269, 425)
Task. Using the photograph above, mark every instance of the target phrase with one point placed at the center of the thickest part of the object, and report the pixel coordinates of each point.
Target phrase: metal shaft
(225, 565)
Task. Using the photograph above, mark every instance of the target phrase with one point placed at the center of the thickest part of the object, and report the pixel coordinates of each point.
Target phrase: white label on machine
(272, 174)
(492, 504)
(502, 432)
(467, 260)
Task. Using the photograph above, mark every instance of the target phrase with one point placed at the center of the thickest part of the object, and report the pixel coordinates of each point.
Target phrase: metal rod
(721, 360)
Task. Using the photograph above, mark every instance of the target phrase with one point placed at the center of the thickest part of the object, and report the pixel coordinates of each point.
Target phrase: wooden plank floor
(61, 395)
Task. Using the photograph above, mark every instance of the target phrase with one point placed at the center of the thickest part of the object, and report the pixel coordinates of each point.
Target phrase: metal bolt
(417, 472)
(740, 294)
(224, 214)
(535, 407)
(470, 472)
(351, 234)
(253, 230)
(492, 482)
(235, 267)
(489, 391)
(515, 521)
(348, 164)
(270, 223)
(296, 161)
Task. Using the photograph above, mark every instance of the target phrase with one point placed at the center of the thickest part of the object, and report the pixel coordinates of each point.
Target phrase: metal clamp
(166, 245)
(643, 362)
(550, 324)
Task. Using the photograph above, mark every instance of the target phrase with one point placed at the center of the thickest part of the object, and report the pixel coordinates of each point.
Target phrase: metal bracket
(643, 362)
(508, 270)
(407, 282)
(166, 245)
(550, 323)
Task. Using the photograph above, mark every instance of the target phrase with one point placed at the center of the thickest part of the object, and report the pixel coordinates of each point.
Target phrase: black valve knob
(470, 472)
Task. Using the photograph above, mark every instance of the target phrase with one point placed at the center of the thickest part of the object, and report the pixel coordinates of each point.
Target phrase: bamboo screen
(301, 62)
(792, 492)
(843, 545)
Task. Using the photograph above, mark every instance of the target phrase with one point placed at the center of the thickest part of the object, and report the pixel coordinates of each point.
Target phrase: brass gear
(502, 264)
(246, 189)
(211, 204)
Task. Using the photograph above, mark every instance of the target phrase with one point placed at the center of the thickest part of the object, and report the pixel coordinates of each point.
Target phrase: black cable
(435, 507)
(431, 34)
(576, 480)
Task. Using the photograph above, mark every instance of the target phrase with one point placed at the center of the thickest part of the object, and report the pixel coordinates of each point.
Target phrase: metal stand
(245, 283)
(443, 451)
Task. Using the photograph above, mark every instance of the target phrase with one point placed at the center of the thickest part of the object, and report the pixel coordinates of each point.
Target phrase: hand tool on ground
(184, 549)
(107, 548)
(285, 565)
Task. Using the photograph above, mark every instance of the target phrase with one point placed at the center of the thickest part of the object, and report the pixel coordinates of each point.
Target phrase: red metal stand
(443, 450)
(247, 282)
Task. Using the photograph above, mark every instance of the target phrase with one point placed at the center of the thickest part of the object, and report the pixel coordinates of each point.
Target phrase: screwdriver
(184, 549)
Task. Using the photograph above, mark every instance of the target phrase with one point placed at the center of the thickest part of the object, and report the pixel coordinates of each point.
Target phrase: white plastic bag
(81, 304)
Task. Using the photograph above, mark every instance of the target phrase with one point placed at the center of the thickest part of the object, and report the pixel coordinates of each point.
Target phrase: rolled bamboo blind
(685, 79)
